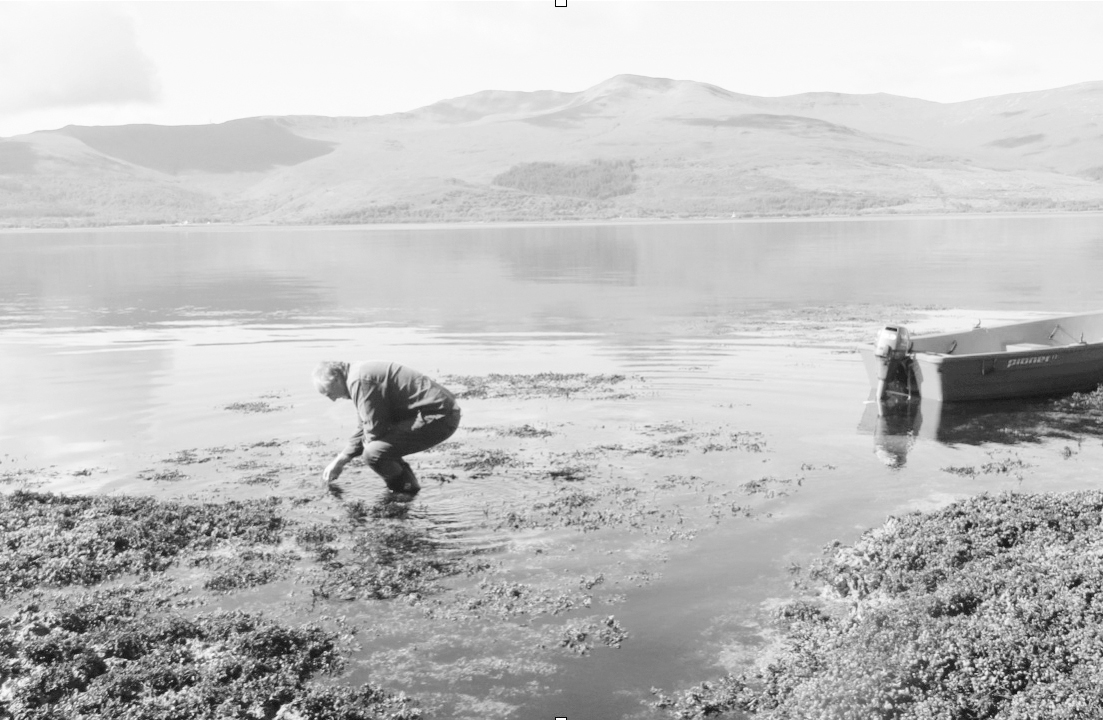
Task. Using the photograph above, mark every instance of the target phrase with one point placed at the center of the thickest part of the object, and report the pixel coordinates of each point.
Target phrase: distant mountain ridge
(628, 147)
(236, 146)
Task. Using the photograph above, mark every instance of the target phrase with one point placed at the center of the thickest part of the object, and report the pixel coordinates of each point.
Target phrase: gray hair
(329, 372)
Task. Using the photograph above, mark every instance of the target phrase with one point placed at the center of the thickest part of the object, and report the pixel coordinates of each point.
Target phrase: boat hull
(1053, 356)
(1053, 371)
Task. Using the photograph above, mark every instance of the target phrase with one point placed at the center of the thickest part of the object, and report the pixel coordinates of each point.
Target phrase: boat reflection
(898, 422)
(895, 423)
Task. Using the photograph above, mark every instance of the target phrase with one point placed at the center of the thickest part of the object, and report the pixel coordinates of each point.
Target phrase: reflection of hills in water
(607, 278)
(1010, 422)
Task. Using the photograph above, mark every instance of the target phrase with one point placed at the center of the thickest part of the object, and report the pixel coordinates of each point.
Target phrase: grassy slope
(698, 150)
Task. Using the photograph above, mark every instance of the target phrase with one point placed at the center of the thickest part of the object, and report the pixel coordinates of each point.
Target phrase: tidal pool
(660, 423)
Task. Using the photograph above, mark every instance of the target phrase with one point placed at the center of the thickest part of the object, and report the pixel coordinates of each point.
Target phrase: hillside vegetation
(630, 147)
(595, 180)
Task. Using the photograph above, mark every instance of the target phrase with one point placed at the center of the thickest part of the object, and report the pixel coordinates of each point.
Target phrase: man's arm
(354, 448)
(375, 416)
(371, 411)
(333, 470)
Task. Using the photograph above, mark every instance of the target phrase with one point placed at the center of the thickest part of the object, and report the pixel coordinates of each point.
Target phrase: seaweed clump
(707, 699)
(566, 509)
(390, 560)
(580, 637)
(101, 654)
(57, 540)
(247, 568)
(253, 406)
(989, 608)
(547, 384)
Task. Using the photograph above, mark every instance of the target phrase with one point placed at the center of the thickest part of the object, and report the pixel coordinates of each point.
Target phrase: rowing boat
(1042, 357)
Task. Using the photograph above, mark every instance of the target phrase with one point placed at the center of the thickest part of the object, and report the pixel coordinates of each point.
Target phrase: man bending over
(401, 412)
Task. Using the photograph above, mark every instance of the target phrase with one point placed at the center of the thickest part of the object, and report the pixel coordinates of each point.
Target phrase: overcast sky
(177, 63)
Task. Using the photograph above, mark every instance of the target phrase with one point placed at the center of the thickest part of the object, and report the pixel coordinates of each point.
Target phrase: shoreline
(627, 222)
(575, 523)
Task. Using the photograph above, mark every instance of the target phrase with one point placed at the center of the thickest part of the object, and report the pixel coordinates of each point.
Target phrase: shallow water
(126, 354)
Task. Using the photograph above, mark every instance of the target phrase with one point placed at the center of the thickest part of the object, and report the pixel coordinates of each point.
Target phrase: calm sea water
(121, 346)
(111, 338)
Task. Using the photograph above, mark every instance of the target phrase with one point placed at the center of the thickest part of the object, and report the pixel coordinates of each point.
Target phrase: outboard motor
(892, 346)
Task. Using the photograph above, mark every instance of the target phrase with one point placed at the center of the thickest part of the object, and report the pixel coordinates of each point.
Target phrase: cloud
(974, 57)
(67, 55)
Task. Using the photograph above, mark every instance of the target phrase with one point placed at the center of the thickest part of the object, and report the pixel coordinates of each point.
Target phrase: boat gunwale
(939, 358)
(1014, 330)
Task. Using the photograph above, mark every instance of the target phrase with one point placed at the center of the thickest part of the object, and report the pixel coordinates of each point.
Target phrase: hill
(629, 147)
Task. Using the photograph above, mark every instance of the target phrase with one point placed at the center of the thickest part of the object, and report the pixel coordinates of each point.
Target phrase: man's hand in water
(333, 470)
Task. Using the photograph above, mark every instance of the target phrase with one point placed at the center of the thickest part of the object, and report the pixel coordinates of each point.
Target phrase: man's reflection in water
(898, 421)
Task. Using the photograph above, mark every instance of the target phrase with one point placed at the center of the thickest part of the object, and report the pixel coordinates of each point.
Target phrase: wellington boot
(405, 483)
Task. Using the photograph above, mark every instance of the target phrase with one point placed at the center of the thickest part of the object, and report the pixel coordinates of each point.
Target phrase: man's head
(330, 379)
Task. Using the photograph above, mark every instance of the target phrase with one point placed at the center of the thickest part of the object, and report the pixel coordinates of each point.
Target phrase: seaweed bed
(133, 607)
(107, 602)
(136, 650)
(135, 653)
(117, 603)
(989, 608)
(53, 540)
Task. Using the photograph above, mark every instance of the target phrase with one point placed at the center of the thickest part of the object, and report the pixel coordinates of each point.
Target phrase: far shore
(465, 224)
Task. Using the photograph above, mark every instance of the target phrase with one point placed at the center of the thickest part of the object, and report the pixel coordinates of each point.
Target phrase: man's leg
(385, 455)
(405, 481)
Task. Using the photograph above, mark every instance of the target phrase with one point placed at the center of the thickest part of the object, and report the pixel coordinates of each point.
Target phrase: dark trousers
(385, 455)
